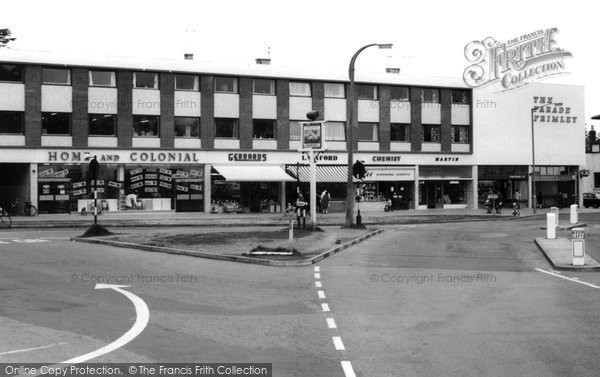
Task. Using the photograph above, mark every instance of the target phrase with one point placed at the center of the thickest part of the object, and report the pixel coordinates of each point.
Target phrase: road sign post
(312, 140)
(578, 246)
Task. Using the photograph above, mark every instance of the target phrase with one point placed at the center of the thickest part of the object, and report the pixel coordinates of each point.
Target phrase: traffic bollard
(554, 210)
(578, 246)
(574, 218)
(550, 226)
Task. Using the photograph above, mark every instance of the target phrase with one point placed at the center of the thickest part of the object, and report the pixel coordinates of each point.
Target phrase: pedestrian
(325, 201)
(540, 200)
(301, 207)
(498, 202)
(131, 201)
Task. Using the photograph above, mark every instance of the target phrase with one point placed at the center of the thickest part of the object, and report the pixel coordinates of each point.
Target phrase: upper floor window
(56, 76)
(430, 95)
(265, 87)
(366, 91)
(145, 80)
(431, 133)
(334, 90)
(263, 129)
(11, 72)
(399, 132)
(460, 134)
(103, 78)
(301, 89)
(187, 82)
(102, 124)
(460, 96)
(56, 123)
(334, 131)
(399, 93)
(226, 85)
(187, 127)
(368, 131)
(11, 122)
(226, 128)
(145, 125)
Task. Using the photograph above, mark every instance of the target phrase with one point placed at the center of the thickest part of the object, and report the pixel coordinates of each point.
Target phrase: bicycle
(27, 209)
(5, 220)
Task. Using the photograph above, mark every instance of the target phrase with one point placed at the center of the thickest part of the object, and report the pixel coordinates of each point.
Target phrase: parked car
(591, 199)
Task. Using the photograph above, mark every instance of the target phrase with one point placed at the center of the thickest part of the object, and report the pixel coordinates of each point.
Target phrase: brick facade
(384, 118)
(124, 108)
(207, 108)
(167, 110)
(446, 119)
(245, 123)
(416, 131)
(33, 105)
(80, 121)
(283, 114)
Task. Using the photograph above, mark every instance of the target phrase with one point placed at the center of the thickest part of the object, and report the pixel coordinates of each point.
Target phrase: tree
(5, 37)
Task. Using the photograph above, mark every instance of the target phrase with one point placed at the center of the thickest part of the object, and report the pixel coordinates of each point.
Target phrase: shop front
(505, 181)
(393, 185)
(556, 186)
(448, 187)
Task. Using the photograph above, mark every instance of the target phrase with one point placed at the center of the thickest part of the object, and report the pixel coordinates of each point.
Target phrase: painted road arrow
(142, 316)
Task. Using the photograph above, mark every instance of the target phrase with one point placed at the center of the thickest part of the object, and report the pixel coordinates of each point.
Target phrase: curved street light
(351, 134)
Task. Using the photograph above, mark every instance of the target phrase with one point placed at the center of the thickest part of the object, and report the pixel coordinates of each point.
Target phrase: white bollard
(554, 210)
(574, 219)
(550, 226)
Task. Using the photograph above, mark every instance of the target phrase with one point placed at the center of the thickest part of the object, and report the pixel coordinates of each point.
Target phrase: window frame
(400, 99)
(22, 121)
(113, 78)
(271, 121)
(156, 80)
(454, 135)
(467, 97)
(236, 87)
(432, 100)
(69, 77)
(301, 95)
(327, 137)
(272, 87)
(439, 128)
(406, 127)
(368, 140)
(69, 118)
(157, 117)
(342, 85)
(21, 73)
(362, 86)
(196, 82)
(113, 116)
(186, 137)
(236, 129)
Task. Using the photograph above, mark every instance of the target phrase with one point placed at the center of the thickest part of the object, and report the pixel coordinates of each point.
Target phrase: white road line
(318, 284)
(338, 344)
(141, 310)
(317, 269)
(317, 276)
(347, 367)
(4, 242)
(32, 349)
(566, 278)
(331, 323)
(321, 294)
(575, 278)
(325, 307)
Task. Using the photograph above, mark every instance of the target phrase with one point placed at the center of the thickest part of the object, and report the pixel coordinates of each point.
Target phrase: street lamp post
(351, 134)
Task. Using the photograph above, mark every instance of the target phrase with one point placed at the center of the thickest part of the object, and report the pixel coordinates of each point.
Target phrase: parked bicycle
(15, 208)
(5, 220)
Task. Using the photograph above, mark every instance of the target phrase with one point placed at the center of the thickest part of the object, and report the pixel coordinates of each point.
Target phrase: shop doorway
(14, 183)
(431, 194)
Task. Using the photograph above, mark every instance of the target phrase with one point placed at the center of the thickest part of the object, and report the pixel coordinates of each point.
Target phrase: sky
(429, 37)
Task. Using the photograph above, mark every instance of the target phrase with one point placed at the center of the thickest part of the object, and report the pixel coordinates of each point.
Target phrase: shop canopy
(253, 173)
(324, 173)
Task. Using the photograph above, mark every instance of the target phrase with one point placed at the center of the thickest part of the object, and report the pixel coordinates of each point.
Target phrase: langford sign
(524, 59)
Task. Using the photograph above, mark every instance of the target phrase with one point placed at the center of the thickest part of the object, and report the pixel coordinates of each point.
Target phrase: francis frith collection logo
(515, 63)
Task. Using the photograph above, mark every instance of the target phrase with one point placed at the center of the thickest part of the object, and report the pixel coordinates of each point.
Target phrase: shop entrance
(431, 194)
(14, 183)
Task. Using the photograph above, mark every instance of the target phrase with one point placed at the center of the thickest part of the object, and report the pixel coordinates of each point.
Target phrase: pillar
(416, 200)
(207, 188)
(33, 184)
(475, 196)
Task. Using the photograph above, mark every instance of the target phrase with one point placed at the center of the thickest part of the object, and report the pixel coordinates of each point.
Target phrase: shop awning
(253, 173)
(324, 173)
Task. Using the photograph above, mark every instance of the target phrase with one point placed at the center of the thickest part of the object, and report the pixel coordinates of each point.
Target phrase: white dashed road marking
(32, 349)
(331, 323)
(574, 280)
(325, 307)
(317, 276)
(317, 269)
(321, 294)
(347, 367)
(318, 284)
(338, 344)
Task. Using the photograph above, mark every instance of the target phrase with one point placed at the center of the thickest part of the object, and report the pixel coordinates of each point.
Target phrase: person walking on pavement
(301, 208)
(325, 201)
(540, 200)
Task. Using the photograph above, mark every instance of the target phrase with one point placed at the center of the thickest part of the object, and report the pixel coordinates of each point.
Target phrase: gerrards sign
(515, 63)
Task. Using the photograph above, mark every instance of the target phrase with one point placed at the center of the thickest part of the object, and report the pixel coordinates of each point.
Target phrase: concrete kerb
(231, 258)
(563, 267)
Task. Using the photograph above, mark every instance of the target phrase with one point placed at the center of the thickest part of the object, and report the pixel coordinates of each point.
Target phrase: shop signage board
(165, 178)
(114, 184)
(393, 174)
(312, 135)
(165, 185)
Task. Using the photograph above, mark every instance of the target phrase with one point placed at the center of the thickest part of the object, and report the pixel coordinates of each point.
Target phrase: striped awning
(325, 174)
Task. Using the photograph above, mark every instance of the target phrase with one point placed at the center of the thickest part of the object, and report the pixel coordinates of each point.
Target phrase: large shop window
(102, 125)
(301, 89)
(226, 85)
(187, 127)
(460, 134)
(264, 87)
(263, 128)
(145, 80)
(226, 128)
(56, 123)
(145, 126)
(399, 132)
(103, 78)
(56, 76)
(334, 90)
(187, 82)
(431, 133)
(430, 95)
(11, 73)
(366, 91)
(11, 122)
(399, 93)
(368, 131)
(460, 96)
(596, 180)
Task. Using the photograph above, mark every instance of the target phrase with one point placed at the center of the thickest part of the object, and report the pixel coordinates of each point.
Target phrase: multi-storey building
(187, 135)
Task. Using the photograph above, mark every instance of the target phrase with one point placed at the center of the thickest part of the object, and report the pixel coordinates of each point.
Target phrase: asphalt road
(428, 300)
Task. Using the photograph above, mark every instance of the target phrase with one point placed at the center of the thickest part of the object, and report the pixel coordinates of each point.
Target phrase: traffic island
(559, 254)
(236, 245)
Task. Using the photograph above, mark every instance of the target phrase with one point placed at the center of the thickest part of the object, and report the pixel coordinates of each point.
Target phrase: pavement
(559, 254)
(171, 218)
